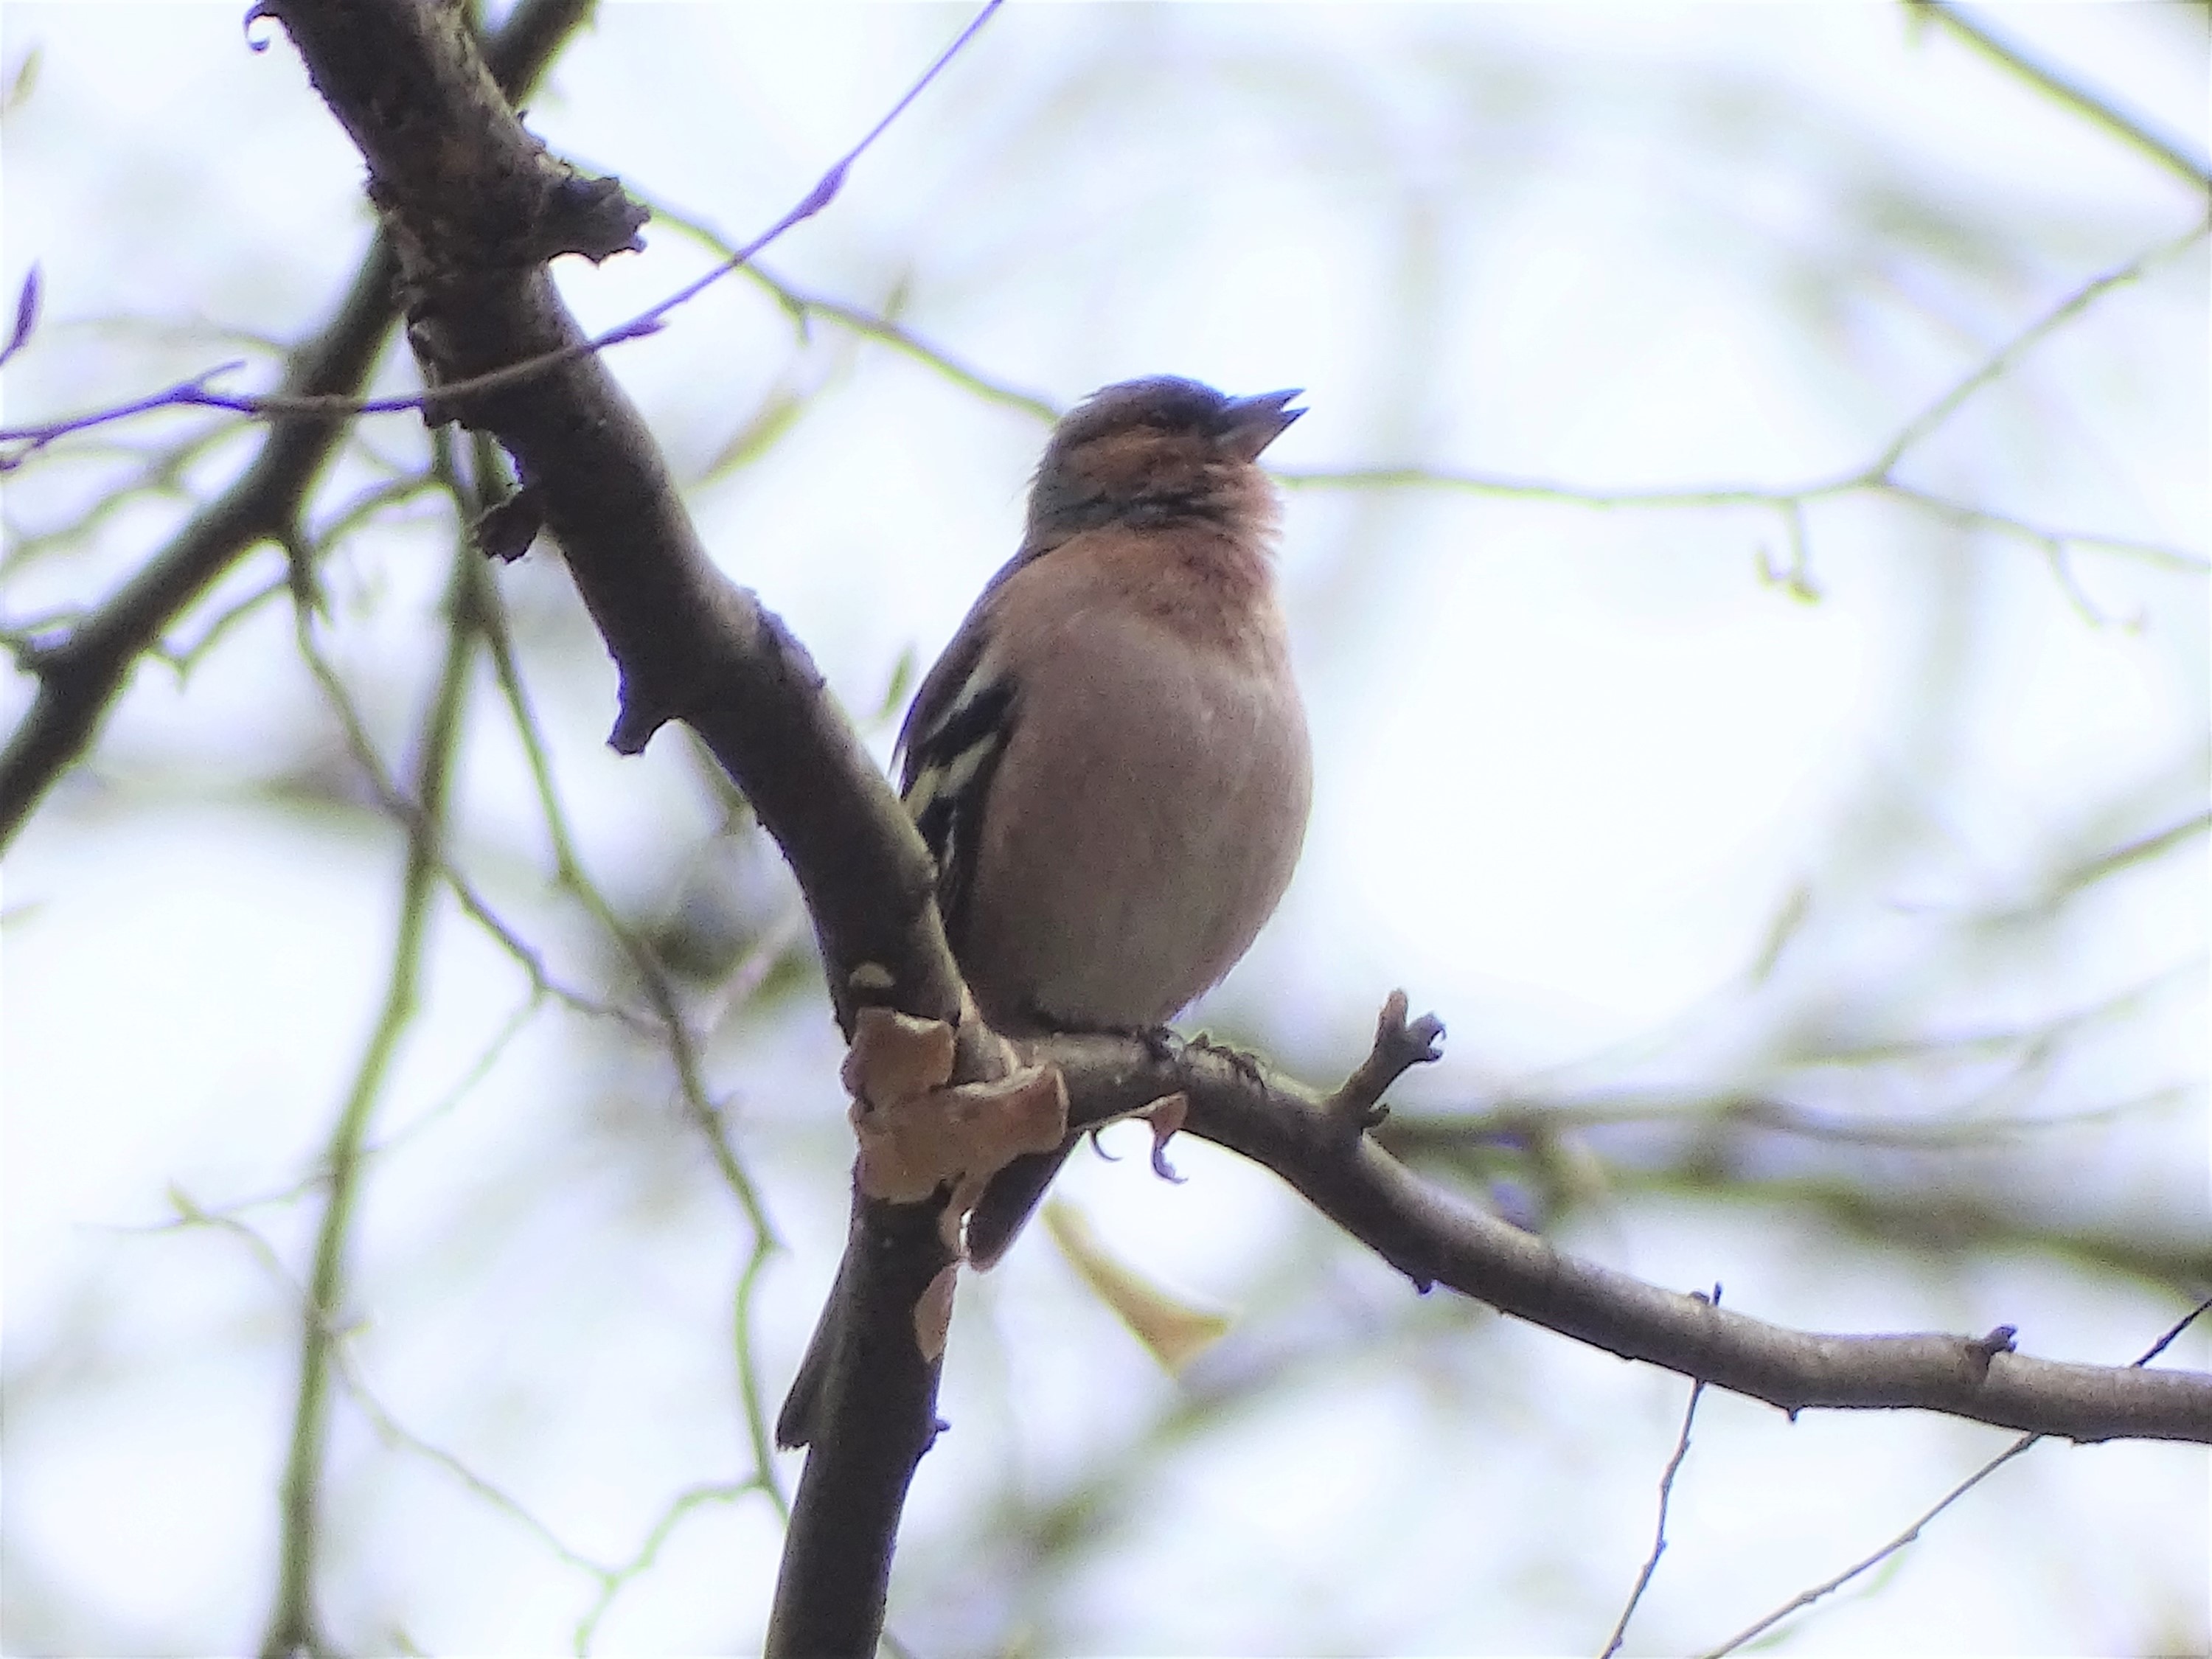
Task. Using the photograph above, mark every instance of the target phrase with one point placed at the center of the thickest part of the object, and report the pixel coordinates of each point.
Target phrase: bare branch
(1659, 1531)
(690, 645)
(1434, 1238)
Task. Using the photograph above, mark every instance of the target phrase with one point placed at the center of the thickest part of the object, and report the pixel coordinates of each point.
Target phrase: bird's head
(1153, 453)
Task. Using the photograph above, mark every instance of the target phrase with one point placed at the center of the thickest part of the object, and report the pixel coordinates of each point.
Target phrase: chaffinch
(1109, 761)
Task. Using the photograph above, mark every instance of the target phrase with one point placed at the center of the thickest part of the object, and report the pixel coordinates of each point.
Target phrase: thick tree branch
(1435, 1239)
(79, 677)
(471, 202)
(689, 643)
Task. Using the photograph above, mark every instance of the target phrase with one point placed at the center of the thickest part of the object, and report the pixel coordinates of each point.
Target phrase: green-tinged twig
(293, 1626)
(79, 679)
(2068, 91)
(610, 1577)
(613, 1579)
(877, 325)
(395, 804)
(1877, 476)
(1928, 1222)
(160, 474)
(190, 1213)
(661, 998)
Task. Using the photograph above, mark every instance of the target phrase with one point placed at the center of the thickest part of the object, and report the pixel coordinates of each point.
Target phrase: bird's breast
(1145, 821)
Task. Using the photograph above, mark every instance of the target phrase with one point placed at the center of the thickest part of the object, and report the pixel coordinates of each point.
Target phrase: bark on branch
(1434, 1238)
(470, 202)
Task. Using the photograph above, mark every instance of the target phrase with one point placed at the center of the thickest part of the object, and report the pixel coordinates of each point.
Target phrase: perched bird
(1109, 761)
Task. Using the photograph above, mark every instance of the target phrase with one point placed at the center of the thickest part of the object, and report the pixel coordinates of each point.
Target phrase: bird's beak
(1248, 425)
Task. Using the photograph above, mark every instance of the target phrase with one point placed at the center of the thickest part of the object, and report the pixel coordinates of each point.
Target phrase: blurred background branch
(2067, 89)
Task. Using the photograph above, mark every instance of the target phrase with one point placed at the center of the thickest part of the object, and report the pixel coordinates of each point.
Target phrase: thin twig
(1912, 1531)
(194, 391)
(610, 1577)
(2067, 91)
(293, 1623)
(675, 1030)
(1659, 1531)
(871, 325)
(1808, 1597)
(1877, 476)
(395, 805)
